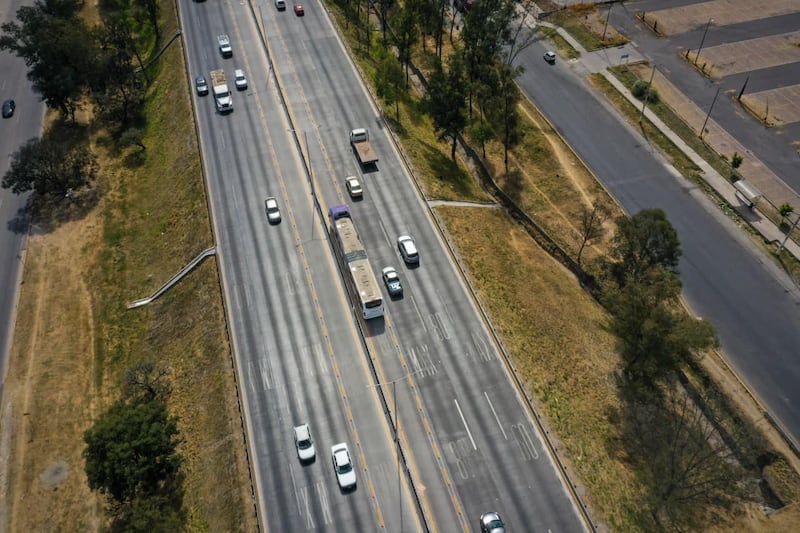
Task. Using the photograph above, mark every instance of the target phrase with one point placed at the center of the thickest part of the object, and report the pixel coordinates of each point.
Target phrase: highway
(25, 124)
(470, 443)
(754, 306)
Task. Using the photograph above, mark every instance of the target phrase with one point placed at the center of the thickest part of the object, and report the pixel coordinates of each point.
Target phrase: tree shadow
(681, 461)
(447, 171)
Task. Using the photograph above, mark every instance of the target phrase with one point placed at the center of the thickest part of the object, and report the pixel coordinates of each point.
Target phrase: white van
(280, 5)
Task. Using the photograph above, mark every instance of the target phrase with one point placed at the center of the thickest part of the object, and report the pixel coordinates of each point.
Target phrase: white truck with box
(359, 139)
(222, 95)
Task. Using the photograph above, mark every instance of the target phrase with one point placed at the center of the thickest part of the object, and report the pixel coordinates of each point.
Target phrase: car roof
(302, 432)
(238, 72)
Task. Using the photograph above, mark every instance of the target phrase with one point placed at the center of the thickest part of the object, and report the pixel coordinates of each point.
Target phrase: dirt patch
(49, 388)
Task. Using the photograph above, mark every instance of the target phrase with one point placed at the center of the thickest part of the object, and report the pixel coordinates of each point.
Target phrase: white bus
(361, 280)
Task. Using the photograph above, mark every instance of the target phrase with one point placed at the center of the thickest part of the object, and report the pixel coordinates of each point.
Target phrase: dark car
(8, 108)
(201, 85)
(299, 10)
(392, 282)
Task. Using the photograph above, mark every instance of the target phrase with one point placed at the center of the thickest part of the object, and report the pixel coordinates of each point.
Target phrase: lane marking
(495, 415)
(464, 421)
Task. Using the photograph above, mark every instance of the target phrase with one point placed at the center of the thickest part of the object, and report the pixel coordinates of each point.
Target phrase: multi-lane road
(468, 441)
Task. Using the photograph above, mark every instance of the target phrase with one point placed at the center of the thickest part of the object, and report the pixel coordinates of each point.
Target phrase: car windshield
(304, 443)
(344, 468)
(495, 524)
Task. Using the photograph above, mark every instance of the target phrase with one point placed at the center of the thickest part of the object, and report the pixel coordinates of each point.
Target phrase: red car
(298, 10)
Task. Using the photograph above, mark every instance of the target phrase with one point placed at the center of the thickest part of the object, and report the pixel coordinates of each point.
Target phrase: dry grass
(554, 333)
(75, 339)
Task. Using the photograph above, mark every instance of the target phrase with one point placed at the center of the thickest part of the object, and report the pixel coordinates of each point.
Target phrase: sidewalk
(774, 189)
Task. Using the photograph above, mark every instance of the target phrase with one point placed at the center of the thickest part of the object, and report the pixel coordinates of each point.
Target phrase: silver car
(492, 523)
(408, 250)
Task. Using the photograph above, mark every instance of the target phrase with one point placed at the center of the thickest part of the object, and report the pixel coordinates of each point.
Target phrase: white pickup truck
(224, 45)
(222, 95)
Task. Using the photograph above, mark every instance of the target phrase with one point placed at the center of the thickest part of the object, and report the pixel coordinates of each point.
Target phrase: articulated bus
(361, 279)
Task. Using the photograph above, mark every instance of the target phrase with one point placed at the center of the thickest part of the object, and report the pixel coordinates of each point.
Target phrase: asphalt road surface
(25, 124)
(470, 444)
(774, 146)
(753, 305)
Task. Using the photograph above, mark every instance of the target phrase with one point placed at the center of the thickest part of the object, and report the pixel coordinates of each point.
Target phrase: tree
(406, 34)
(117, 90)
(50, 168)
(56, 45)
(389, 80)
(785, 209)
(654, 334)
(505, 114)
(483, 133)
(591, 228)
(151, 9)
(131, 451)
(445, 100)
(642, 242)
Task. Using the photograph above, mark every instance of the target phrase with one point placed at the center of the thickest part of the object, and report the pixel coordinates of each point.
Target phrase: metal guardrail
(174, 279)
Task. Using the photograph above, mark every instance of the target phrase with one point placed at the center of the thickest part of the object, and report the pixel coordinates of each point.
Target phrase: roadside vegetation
(625, 393)
(118, 207)
(633, 77)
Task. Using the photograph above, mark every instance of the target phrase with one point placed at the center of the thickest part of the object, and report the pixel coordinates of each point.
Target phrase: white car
(304, 444)
(343, 466)
(408, 250)
(280, 5)
(240, 79)
(224, 43)
(550, 57)
(273, 213)
(354, 187)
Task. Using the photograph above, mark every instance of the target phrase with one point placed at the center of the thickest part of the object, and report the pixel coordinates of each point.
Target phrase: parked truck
(222, 95)
(359, 139)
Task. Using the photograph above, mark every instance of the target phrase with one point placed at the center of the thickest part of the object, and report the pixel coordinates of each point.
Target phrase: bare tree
(592, 221)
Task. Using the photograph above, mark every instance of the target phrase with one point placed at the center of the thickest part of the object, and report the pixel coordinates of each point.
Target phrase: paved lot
(751, 54)
(723, 12)
(775, 106)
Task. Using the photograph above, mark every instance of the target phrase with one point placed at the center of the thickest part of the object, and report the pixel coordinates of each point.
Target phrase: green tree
(654, 334)
(483, 133)
(504, 113)
(50, 167)
(445, 100)
(116, 90)
(131, 451)
(643, 241)
(57, 48)
(406, 35)
(786, 209)
(389, 79)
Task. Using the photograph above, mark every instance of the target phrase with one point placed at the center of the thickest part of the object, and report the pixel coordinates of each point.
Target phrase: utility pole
(703, 129)
(702, 41)
(608, 16)
(788, 234)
